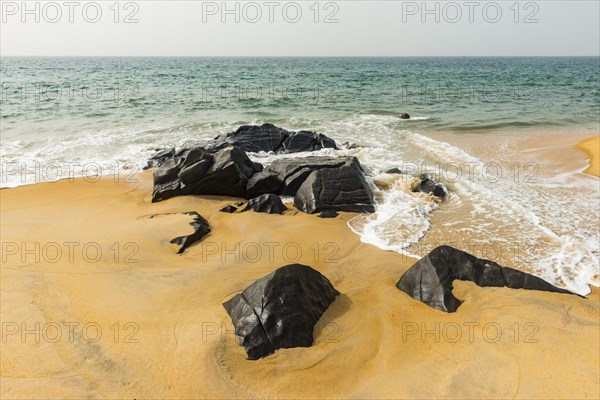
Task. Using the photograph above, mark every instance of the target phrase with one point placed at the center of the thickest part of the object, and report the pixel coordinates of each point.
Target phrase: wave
(500, 125)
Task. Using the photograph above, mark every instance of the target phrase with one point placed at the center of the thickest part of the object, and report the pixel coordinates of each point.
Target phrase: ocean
(82, 116)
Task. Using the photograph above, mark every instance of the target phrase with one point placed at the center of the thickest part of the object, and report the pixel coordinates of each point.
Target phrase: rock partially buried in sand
(429, 186)
(266, 203)
(280, 310)
(336, 189)
(430, 279)
(228, 209)
(201, 229)
(269, 138)
(404, 116)
(199, 172)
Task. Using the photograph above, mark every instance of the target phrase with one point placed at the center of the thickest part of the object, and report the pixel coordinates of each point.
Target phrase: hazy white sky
(300, 28)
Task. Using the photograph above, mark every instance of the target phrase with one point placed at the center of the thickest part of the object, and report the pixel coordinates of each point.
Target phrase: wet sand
(165, 334)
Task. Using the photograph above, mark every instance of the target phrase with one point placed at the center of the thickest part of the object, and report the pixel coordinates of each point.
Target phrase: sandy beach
(310, 200)
(97, 304)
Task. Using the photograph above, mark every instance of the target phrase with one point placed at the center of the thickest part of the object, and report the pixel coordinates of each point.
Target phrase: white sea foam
(549, 223)
(547, 227)
(418, 119)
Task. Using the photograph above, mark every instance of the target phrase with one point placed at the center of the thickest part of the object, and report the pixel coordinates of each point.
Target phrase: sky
(299, 28)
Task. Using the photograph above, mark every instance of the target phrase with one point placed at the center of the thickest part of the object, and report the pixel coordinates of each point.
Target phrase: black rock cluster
(269, 138)
(223, 168)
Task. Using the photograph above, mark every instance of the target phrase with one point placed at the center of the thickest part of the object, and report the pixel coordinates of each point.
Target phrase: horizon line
(301, 56)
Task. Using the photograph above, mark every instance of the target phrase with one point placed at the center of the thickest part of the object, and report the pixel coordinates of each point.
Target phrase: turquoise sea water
(110, 114)
(455, 93)
(50, 105)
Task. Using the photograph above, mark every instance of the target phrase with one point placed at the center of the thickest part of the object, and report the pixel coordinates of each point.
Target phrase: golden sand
(166, 335)
(592, 147)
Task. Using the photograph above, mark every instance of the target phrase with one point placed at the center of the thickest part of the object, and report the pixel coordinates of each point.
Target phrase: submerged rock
(393, 171)
(266, 203)
(429, 186)
(335, 189)
(404, 116)
(284, 176)
(350, 145)
(430, 279)
(280, 310)
(197, 171)
(269, 138)
(201, 229)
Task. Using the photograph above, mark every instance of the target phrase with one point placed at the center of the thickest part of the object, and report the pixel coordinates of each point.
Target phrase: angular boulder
(201, 229)
(335, 189)
(280, 310)
(269, 138)
(198, 171)
(430, 279)
(429, 186)
(266, 203)
(285, 175)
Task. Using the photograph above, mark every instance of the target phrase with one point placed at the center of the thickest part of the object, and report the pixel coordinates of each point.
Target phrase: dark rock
(201, 229)
(284, 176)
(404, 116)
(280, 310)
(258, 166)
(266, 203)
(335, 189)
(429, 186)
(160, 157)
(328, 214)
(269, 138)
(227, 176)
(197, 171)
(166, 180)
(266, 181)
(393, 171)
(430, 279)
(228, 209)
